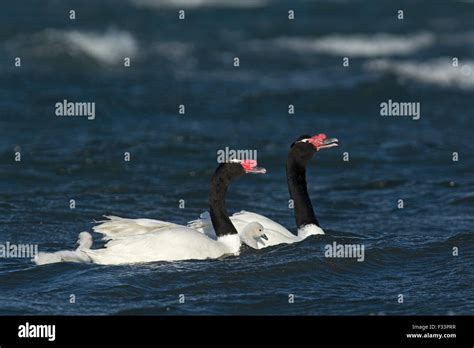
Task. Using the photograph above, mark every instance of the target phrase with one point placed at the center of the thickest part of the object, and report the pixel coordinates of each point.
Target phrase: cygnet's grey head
(84, 241)
(254, 234)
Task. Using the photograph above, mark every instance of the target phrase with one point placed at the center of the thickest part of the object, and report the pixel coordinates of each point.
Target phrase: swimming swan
(156, 240)
(300, 153)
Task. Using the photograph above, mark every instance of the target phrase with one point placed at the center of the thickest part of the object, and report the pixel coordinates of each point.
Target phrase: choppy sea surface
(408, 251)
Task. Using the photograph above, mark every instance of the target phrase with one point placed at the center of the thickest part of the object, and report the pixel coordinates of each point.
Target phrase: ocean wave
(455, 39)
(185, 4)
(288, 82)
(358, 45)
(463, 200)
(371, 185)
(109, 47)
(180, 54)
(173, 49)
(438, 72)
(385, 253)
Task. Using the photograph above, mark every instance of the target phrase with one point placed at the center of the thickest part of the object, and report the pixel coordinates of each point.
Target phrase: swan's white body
(144, 240)
(169, 244)
(276, 233)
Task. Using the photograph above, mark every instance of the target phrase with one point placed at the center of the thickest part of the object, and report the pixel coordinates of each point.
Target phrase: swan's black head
(303, 149)
(237, 168)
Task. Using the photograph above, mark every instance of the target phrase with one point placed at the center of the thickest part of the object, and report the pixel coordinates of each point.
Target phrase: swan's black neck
(296, 176)
(221, 179)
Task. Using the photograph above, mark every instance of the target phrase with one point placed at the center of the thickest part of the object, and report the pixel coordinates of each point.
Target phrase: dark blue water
(408, 251)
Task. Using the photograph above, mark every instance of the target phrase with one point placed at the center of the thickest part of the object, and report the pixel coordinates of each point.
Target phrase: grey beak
(330, 141)
(264, 236)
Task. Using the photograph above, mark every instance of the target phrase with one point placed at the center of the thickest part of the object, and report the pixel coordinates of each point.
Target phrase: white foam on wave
(440, 72)
(109, 47)
(185, 4)
(358, 45)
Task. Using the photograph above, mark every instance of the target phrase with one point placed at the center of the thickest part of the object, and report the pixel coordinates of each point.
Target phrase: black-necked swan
(171, 242)
(300, 153)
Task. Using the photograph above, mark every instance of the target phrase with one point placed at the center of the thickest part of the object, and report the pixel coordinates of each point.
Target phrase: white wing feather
(116, 227)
